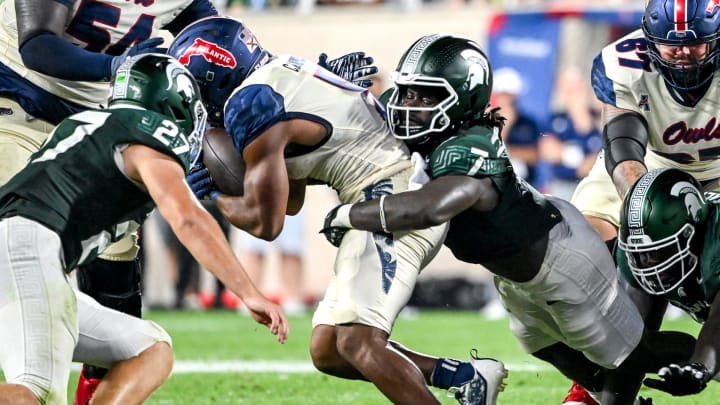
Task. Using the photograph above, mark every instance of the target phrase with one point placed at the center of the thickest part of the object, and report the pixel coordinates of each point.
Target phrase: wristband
(383, 222)
(342, 216)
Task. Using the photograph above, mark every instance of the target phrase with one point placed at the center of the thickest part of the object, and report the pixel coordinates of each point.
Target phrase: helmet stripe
(413, 55)
(680, 15)
(635, 207)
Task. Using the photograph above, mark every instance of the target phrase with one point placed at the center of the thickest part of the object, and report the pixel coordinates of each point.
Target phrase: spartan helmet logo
(183, 83)
(479, 68)
(691, 197)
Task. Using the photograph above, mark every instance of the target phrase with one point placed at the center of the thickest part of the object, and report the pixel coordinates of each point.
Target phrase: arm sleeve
(196, 10)
(250, 111)
(51, 55)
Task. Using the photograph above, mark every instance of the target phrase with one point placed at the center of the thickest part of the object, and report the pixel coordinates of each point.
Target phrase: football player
(668, 246)
(553, 273)
(660, 107)
(56, 57)
(95, 180)
(294, 122)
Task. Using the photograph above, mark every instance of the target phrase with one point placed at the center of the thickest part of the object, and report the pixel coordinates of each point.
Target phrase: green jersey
(522, 215)
(73, 185)
(698, 291)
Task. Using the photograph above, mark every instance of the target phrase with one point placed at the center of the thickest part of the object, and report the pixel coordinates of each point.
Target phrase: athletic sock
(451, 373)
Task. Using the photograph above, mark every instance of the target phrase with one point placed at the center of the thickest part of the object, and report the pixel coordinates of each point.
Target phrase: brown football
(224, 163)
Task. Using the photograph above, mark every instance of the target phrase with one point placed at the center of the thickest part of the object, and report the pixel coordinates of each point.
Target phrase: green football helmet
(443, 64)
(160, 83)
(660, 217)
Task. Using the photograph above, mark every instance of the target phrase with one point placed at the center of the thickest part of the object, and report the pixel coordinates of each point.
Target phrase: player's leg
(575, 299)
(597, 198)
(137, 352)
(19, 138)
(113, 279)
(363, 312)
(38, 315)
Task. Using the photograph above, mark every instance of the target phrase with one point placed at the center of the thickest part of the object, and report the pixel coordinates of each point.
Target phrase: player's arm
(296, 198)
(198, 231)
(625, 137)
(691, 376)
(196, 10)
(261, 209)
(41, 24)
(436, 203)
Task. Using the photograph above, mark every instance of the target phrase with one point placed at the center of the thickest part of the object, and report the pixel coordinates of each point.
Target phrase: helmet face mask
(696, 24)
(661, 266)
(659, 223)
(159, 83)
(439, 61)
(220, 52)
(406, 121)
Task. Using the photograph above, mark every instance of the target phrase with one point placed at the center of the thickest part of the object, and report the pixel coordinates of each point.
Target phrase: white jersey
(110, 20)
(680, 136)
(359, 149)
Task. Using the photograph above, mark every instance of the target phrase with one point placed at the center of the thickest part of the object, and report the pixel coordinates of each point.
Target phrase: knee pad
(114, 284)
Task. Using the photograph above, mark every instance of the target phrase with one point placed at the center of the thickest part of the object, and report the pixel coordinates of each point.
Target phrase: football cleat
(578, 396)
(486, 384)
(85, 389)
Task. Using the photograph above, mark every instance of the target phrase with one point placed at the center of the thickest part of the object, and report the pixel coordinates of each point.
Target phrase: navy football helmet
(220, 52)
(660, 223)
(683, 23)
(453, 67)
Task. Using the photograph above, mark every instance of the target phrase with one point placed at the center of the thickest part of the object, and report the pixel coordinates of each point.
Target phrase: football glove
(419, 177)
(337, 223)
(354, 67)
(681, 379)
(150, 45)
(200, 182)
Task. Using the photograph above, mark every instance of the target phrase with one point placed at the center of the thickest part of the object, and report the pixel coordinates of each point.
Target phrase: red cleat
(578, 396)
(85, 389)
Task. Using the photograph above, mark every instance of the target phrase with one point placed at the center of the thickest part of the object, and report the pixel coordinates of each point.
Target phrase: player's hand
(266, 312)
(200, 182)
(681, 379)
(419, 177)
(150, 45)
(643, 401)
(354, 67)
(337, 223)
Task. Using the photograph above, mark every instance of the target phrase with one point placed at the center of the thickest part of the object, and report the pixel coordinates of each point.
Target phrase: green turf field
(215, 342)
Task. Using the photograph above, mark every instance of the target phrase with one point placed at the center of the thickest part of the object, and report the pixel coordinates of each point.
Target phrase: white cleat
(485, 386)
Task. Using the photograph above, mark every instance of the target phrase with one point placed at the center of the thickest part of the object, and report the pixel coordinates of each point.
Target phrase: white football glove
(419, 176)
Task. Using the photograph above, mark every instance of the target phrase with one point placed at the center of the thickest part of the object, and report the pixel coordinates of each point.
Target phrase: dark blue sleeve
(54, 56)
(251, 111)
(602, 86)
(196, 10)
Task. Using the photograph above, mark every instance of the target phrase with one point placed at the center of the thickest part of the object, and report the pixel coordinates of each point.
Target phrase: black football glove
(643, 401)
(681, 379)
(354, 67)
(337, 223)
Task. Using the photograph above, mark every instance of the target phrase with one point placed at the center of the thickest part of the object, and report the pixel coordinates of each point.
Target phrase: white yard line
(287, 367)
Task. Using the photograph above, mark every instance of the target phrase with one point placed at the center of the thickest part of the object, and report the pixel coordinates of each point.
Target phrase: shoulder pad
(251, 110)
(478, 153)
(618, 66)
